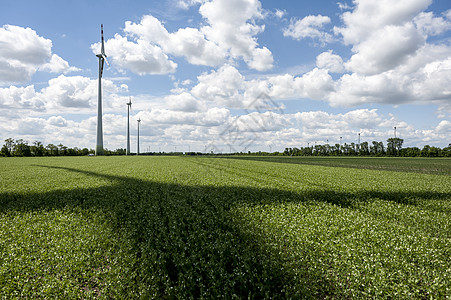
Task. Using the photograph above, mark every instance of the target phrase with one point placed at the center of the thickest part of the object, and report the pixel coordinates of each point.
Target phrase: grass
(185, 227)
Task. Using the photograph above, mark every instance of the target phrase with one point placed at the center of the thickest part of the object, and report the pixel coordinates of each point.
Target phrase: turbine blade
(101, 67)
(104, 57)
(103, 44)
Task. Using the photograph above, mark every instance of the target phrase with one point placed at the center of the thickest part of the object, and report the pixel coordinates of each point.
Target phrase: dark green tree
(21, 148)
(9, 143)
(5, 151)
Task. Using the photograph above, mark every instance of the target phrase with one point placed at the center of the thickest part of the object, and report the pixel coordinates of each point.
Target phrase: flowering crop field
(200, 227)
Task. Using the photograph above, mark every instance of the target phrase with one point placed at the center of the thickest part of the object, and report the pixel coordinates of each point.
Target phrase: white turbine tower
(139, 121)
(129, 106)
(102, 59)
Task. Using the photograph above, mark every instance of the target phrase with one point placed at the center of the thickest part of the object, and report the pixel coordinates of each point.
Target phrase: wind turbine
(102, 59)
(139, 121)
(129, 106)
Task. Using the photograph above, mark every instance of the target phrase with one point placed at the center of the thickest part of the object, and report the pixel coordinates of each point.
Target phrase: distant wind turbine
(102, 58)
(129, 106)
(139, 121)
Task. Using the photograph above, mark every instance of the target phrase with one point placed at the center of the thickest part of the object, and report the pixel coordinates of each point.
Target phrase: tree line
(376, 148)
(393, 147)
(21, 147)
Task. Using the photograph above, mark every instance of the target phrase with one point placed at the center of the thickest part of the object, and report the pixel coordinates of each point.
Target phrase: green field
(188, 227)
(438, 166)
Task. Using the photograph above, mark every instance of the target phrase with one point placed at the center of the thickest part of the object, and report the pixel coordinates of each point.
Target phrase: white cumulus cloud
(229, 34)
(329, 61)
(23, 52)
(309, 27)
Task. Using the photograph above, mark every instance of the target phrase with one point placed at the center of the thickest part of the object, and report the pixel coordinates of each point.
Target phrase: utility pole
(139, 121)
(129, 106)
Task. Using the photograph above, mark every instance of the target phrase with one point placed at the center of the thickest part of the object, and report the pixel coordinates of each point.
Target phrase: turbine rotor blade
(101, 67)
(103, 44)
(104, 57)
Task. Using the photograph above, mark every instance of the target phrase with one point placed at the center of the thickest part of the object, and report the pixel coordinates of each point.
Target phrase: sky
(227, 75)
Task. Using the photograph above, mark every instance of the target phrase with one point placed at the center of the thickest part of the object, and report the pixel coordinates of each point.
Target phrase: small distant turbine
(139, 122)
(102, 59)
(129, 106)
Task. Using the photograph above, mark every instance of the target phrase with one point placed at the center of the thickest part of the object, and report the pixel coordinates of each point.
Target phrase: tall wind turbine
(102, 59)
(129, 106)
(139, 121)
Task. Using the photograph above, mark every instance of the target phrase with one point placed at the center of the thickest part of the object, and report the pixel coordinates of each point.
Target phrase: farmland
(188, 227)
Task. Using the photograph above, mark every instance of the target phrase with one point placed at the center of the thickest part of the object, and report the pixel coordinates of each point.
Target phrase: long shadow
(186, 243)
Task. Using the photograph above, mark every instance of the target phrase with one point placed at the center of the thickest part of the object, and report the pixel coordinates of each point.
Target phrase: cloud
(280, 13)
(224, 87)
(232, 25)
(324, 127)
(211, 117)
(70, 93)
(186, 42)
(444, 127)
(140, 57)
(343, 6)
(183, 102)
(309, 27)
(23, 52)
(315, 84)
(186, 4)
(58, 65)
(393, 61)
(21, 98)
(385, 49)
(228, 87)
(228, 35)
(369, 16)
(57, 121)
(329, 61)
(430, 25)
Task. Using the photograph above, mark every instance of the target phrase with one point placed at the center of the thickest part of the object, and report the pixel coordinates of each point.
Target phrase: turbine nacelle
(102, 55)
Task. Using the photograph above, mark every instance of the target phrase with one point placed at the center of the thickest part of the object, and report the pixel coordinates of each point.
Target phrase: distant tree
(61, 149)
(410, 152)
(84, 151)
(352, 149)
(70, 151)
(446, 152)
(5, 151)
(37, 149)
(21, 148)
(430, 151)
(377, 148)
(364, 149)
(337, 149)
(425, 151)
(434, 152)
(394, 145)
(52, 149)
(121, 151)
(9, 143)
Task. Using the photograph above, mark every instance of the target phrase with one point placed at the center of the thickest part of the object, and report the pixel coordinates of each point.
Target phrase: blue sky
(221, 75)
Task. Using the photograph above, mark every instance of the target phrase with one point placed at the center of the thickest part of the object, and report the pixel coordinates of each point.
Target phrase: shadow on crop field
(185, 243)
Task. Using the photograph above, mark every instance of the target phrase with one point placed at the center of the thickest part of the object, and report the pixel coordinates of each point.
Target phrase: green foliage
(394, 145)
(190, 227)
